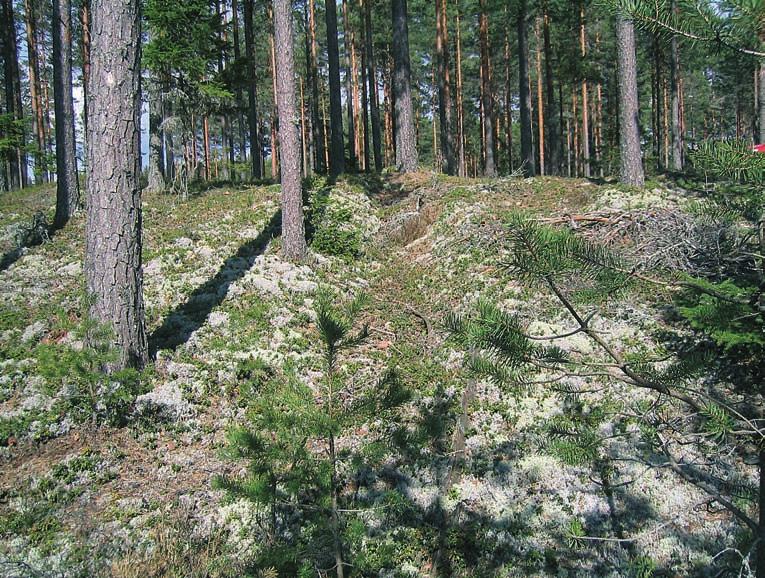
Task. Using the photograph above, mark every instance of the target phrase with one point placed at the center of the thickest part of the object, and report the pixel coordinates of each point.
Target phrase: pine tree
(113, 230)
(293, 231)
(406, 145)
(337, 146)
(67, 183)
(631, 172)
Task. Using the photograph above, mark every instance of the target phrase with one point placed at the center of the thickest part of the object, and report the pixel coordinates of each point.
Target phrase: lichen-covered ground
(114, 478)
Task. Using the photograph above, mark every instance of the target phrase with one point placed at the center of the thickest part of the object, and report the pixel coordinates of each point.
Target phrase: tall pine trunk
(487, 99)
(540, 102)
(403, 115)
(85, 31)
(678, 160)
(444, 88)
(554, 155)
(293, 232)
(374, 100)
(349, 96)
(585, 95)
(462, 167)
(113, 232)
(17, 177)
(527, 143)
(35, 92)
(317, 126)
(337, 147)
(631, 171)
(252, 92)
(67, 185)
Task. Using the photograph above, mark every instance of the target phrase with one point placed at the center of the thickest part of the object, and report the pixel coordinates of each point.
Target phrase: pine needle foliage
(498, 348)
(680, 399)
(297, 465)
(542, 255)
(729, 159)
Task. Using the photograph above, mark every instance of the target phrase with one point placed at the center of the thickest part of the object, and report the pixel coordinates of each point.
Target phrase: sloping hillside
(115, 477)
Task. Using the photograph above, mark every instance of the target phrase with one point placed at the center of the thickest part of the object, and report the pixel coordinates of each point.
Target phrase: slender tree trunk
(575, 128)
(317, 126)
(293, 232)
(508, 101)
(206, 140)
(85, 25)
(275, 160)
(656, 102)
(678, 161)
(67, 185)
(585, 96)
(252, 92)
(462, 168)
(35, 93)
(553, 128)
(304, 136)
(374, 100)
(631, 172)
(365, 95)
(487, 100)
(113, 231)
(444, 88)
(169, 147)
(406, 145)
(349, 99)
(390, 140)
(337, 152)
(17, 160)
(540, 102)
(238, 94)
(527, 143)
(156, 181)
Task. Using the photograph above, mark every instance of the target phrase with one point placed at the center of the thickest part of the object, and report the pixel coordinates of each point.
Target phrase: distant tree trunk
(337, 148)
(553, 128)
(252, 92)
(17, 160)
(444, 88)
(85, 26)
(585, 95)
(406, 145)
(374, 101)
(540, 101)
(656, 102)
(35, 93)
(238, 94)
(349, 97)
(678, 162)
(206, 145)
(156, 180)
(113, 232)
(168, 144)
(317, 126)
(67, 185)
(629, 130)
(462, 167)
(293, 232)
(487, 100)
(508, 101)
(275, 107)
(365, 97)
(527, 143)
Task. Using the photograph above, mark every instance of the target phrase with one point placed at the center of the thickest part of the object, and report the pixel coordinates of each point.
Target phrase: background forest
(382, 288)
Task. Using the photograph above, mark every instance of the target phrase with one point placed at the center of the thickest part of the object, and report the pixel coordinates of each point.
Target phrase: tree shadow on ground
(192, 314)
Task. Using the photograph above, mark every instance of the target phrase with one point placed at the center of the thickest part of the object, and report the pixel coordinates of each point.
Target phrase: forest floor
(115, 479)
